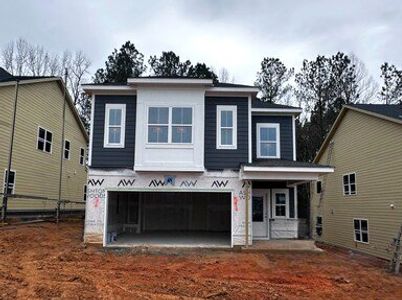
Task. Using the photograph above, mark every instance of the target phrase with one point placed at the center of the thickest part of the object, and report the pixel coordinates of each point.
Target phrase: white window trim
(368, 230)
(280, 191)
(83, 157)
(64, 150)
(4, 180)
(219, 109)
(343, 185)
(169, 143)
(44, 147)
(106, 143)
(276, 126)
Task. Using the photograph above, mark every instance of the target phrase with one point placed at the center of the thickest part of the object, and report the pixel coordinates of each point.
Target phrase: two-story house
(186, 162)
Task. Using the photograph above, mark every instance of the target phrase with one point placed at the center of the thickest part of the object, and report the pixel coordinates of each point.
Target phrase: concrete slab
(177, 239)
(284, 245)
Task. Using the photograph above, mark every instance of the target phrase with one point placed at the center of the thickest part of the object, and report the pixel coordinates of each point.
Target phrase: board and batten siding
(372, 148)
(286, 134)
(113, 157)
(37, 172)
(219, 159)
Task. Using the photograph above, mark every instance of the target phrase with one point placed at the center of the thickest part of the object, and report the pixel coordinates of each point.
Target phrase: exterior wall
(113, 157)
(219, 159)
(170, 157)
(37, 172)
(286, 134)
(371, 147)
(100, 182)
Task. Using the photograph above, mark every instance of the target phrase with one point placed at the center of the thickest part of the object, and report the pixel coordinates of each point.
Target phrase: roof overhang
(283, 173)
(278, 111)
(108, 89)
(169, 81)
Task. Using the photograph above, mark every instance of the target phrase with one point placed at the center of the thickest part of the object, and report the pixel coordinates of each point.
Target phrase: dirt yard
(46, 261)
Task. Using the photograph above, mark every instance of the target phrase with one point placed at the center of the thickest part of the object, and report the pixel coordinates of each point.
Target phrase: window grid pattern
(45, 139)
(349, 184)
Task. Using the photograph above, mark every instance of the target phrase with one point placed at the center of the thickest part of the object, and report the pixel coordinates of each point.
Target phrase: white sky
(233, 34)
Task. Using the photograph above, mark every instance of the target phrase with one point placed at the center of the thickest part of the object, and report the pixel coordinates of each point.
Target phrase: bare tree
(224, 76)
(78, 67)
(21, 56)
(7, 57)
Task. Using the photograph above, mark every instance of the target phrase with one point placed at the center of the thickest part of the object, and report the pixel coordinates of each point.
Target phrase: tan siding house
(36, 172)
(360, 204)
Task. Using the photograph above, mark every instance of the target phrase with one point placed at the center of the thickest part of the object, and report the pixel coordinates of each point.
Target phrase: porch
(283, 245)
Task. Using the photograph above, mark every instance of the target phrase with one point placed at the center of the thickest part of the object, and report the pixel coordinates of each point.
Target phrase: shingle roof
(389, 110)
(257, 103)
(234, 85)
(5, 76)
(285, 163)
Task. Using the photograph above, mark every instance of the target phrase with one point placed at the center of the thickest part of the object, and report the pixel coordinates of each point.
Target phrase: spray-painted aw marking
(97, 182)
(156, 183)
(219, 183)
(188, 183)
(126, 182)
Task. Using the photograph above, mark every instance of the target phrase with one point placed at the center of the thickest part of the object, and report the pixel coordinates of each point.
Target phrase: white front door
(260, 201)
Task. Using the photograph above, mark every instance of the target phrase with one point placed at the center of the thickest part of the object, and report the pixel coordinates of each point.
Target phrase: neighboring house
(183, 161)
(359, 206)
(37, 146)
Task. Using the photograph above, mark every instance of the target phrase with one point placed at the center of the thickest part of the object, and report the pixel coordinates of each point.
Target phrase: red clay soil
(45, 260)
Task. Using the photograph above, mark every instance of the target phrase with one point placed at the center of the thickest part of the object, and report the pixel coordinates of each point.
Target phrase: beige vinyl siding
(37, 172)
(372, 148)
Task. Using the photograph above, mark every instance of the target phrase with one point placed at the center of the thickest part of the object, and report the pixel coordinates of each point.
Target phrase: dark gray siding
(218, 159)
(286, 134)
(113, 157)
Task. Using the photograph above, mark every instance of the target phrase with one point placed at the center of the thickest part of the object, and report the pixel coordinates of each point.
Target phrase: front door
(260, 214)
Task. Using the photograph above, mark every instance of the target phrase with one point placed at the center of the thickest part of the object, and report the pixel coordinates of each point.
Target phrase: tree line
(321, 86)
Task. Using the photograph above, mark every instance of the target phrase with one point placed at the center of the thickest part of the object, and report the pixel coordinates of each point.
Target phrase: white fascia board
(233, 90)
(179, 81)
(323, 170)
(295, 111)
(290, 176)
(167, 169)
(104, 89)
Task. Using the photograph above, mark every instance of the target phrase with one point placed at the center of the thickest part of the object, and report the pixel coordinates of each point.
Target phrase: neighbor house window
(318, 187)
(115, 123)
(280, 203)
(361, 230)
(268, 144)
(67, 146)
(11, 182)
(349, 184)
(226, 127)
(170, 125)
(82, 156)
(85, 192)
(45, 139)
(318, 225)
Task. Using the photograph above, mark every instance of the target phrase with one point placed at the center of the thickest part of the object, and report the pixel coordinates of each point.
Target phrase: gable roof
(8, 79)
(386, 112)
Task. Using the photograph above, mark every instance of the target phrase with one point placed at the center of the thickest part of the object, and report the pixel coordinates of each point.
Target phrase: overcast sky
(233, 34)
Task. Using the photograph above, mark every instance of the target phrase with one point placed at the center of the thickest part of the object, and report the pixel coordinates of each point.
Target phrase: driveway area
(46, 260)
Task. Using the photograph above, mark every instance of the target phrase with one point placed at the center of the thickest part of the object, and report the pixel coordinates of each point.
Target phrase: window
(280, 203)
(82, 156)
(318, 225)
(226, 127)
(361, 230)
(115, 122)
(170, 125)
(11, 182)
(45, 139)
(67, 149)
(85, 192)
(349, 184)
(268, 145)
(318, 187)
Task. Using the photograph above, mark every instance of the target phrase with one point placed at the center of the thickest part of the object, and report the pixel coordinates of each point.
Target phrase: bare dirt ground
(47, 261)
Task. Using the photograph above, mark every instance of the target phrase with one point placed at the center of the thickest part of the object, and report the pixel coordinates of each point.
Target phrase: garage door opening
(169, 219)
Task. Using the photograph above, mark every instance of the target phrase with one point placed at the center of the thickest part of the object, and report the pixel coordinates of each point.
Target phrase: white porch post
(295, 197)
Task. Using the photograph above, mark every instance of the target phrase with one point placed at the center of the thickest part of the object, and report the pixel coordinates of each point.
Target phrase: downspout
(10, 156)
(62, 149)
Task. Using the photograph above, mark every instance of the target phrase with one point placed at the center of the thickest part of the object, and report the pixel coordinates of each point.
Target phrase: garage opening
(169, 219)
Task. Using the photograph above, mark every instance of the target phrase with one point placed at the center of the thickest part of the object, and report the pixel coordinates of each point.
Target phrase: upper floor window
(82, 156)
(115, 123)
(11, 182)
(226, 129)
(67, 146)
(268, 142)
(45, 139)
(349, 184)
(170, 125)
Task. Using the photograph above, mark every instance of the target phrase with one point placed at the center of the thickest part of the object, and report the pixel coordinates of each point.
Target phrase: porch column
(295, 198)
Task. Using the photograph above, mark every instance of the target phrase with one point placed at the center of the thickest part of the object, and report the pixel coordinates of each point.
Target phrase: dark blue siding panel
(218, 159)
(286, 134)
(113, 157)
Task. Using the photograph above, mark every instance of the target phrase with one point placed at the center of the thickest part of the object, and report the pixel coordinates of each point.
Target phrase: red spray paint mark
(96, 201)
(235, 203)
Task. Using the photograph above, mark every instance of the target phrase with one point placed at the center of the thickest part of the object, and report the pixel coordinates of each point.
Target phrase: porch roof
(279, 169)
